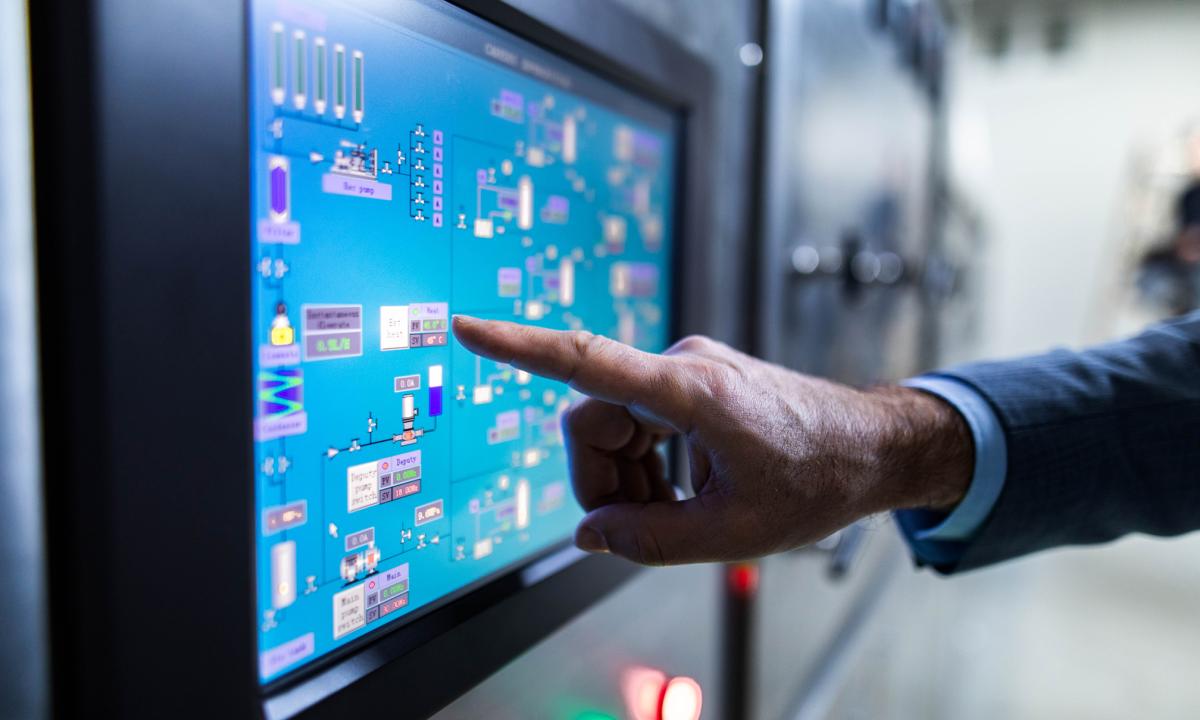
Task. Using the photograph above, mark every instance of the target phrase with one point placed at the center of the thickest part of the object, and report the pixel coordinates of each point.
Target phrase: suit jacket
(1100, 443)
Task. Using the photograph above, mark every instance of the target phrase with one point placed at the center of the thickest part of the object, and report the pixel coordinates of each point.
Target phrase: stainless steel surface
(23, 658)
(849, 231)
(806, 621)
(850, 547)
(850, 134)
(822, 687)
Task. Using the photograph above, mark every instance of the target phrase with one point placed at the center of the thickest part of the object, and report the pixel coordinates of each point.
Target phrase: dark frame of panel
(142, 210)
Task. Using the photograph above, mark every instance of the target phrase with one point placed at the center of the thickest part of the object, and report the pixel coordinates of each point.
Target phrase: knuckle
(724, 350)
(692, 344)
(707, 380)
(584, 346)
(582, 341)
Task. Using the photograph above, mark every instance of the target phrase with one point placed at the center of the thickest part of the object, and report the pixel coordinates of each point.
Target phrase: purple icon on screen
(277, 176)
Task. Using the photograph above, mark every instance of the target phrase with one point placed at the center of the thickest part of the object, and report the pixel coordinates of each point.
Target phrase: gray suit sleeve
(1101, 443)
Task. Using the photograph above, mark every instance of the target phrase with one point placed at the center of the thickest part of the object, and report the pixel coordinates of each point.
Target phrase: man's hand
(778, 459)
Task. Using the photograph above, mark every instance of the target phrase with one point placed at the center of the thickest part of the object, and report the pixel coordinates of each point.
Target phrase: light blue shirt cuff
(926, 531)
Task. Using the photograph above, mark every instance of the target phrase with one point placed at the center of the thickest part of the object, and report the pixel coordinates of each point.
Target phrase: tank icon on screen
(408, 418)
(282, 332)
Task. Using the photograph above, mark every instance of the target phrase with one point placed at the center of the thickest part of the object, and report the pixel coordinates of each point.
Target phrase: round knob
(891, 268)
(805, 259)
(865, 266)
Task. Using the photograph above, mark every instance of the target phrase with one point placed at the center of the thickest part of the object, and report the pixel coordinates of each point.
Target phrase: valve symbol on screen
(282, 332)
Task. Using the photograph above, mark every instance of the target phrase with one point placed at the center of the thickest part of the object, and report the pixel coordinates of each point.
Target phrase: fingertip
(469, 331)
(662, 533)
(590, 539)
(626, 532)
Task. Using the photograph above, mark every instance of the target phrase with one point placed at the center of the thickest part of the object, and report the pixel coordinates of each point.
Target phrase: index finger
(592, 364)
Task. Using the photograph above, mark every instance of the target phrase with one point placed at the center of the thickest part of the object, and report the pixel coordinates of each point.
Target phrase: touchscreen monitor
(410, 161)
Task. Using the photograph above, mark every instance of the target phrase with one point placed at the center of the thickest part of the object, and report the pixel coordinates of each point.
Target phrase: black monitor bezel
(140, 223)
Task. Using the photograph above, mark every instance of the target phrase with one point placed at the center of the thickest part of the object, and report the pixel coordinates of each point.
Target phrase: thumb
(655, 533)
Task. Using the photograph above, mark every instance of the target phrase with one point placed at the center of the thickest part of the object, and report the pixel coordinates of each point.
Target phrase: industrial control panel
(409, 163)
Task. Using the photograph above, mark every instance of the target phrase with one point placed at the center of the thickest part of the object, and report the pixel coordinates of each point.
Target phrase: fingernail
(458, 318)
(589, 539)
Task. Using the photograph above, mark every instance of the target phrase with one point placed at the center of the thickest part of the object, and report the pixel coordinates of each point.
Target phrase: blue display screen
(410, 161)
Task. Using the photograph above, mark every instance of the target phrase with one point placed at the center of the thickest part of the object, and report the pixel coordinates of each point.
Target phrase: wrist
(925, 452)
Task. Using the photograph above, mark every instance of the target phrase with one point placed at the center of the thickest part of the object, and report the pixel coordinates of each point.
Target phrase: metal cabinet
(849, 251)
(851, 172)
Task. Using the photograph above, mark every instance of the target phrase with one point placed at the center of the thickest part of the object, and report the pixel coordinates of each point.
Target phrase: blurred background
(1073, 138)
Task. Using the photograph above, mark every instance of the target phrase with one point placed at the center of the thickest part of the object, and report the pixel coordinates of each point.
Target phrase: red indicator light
(642, 689)
(649, 695)
(743, 578)
(682, 700)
